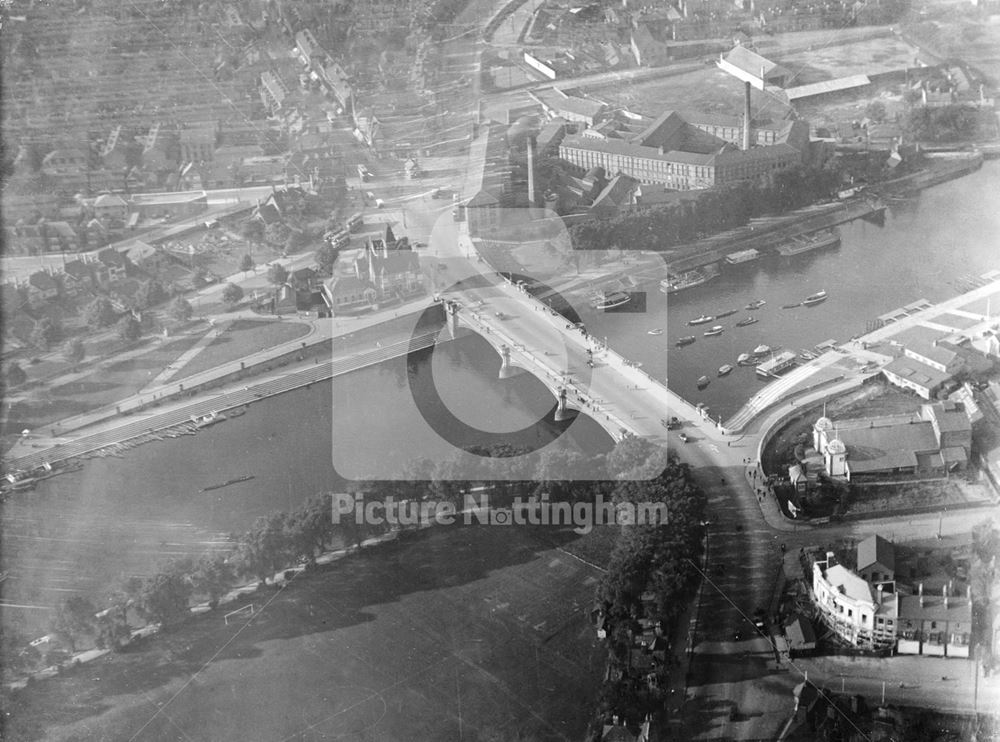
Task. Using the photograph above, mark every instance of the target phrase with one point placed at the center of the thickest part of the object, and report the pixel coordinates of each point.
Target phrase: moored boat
(725, 369)
(611, 299)
(688, 279)
(655, 331)
(791, 306)
(703, 382)
(797, 245)
(727, 313)
(744, 360)
(717, 330)
(813, 299)
(205, 420)
(762, 350)
(755, 304)
(747, 321)
(742, 256)
(703, 319)
(686, 340)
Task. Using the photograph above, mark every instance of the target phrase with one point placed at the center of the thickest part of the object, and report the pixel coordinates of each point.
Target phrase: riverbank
(174, 412)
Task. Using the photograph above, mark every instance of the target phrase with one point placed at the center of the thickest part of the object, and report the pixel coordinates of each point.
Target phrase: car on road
(684, 437)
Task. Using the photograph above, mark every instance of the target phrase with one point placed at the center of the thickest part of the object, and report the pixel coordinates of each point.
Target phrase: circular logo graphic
(457, 432)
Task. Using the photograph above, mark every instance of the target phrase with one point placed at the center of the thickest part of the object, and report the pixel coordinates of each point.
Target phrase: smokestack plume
(746, 116)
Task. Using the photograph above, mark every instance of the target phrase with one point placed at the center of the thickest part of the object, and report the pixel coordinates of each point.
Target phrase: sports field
(461, 633)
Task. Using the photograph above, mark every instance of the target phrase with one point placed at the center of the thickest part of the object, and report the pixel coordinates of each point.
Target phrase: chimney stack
(878, 593)
(746, 116)
(829, 558)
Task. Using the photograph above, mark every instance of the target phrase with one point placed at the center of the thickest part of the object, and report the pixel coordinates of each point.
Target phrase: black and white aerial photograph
(500, 370)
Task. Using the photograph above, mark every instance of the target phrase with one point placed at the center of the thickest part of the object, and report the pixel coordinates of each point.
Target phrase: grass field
(469, 633)
(241, 338)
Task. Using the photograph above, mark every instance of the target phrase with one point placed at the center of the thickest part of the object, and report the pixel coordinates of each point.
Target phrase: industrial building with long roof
(686, 152)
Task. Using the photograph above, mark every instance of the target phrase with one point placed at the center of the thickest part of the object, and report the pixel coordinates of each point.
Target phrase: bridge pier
(451, 315)
(563, 410)
(508, 370)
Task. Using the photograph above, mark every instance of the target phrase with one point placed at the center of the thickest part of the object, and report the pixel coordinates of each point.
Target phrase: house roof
(934, 353)
(109, 199)
(847, 583)
(615, 193)
(558, 101)
(888, 446)
(918, 334)
(140, 251)
(876, 549)
(916, 372)
(483, 198)
(800, 633)
(346, 286)
(948, 420)
(752, 63)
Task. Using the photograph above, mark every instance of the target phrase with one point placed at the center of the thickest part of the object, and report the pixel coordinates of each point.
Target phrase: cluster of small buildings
(929, 359)
(866, 608)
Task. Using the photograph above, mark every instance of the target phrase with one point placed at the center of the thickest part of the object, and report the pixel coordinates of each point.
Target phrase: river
(83, 532)
(927, 243)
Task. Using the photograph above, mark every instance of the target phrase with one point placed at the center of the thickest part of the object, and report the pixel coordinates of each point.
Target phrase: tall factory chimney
(746, 116)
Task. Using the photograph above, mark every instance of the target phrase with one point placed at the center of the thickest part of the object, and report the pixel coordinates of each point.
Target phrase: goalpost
(247, 609)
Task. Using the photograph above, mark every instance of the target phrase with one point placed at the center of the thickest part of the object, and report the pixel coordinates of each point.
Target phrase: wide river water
(117, 517)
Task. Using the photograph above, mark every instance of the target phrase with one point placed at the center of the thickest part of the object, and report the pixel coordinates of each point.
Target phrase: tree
(100, 313)
(253, 231)
(264, 548)
(45, 333)
(276, 233)
(15, 375)
(74, 351)
(876, 111)
(326, 257)
(277, 274)
(180, 309)
(128, 328)
(310, 528)
(74, 620)
(232, 294)
(150, 294)
(246, 263)
(213, 576)
(164, 597)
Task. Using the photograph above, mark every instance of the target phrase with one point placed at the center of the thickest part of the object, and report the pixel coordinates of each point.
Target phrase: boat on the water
(717, 330)
(655, 331)
(798, 245)
(686, 340)
(742, 256)
(702, 320)
(728, 313)
(688, 279)
(755, 304)
(610, 299)
(744, 360)
(762, 350)
(791, 306)
(747, 321)
(228, 482)
(703, 382)
(813, 299)
(205, 420)
(725, 369)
